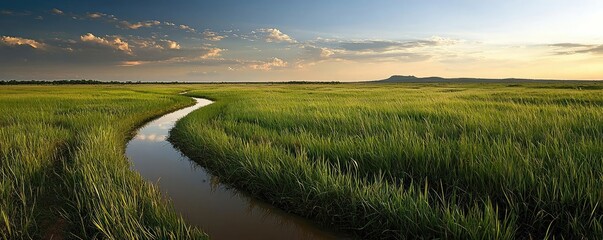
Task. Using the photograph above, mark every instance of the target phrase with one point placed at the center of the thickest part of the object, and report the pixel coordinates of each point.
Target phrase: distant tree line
(84, 81)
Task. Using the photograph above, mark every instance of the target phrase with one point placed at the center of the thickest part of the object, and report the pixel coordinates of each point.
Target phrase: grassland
(63, 173)
(462, 161)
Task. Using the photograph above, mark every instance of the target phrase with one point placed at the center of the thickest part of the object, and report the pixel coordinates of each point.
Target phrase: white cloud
(266, 66)
(186, 28)
(212, 36)
(56, 11)
(115, 43)
(131, 63)
(152, 43)
(325, 52)
(137, 25)
(95, 15)
(17, 41)
(212, 53)
(275, 35)
(443, 41)
(171, 44)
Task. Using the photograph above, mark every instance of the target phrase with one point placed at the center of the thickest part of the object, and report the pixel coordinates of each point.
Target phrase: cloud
(318, 52)
(152, 43)
(570, 45)
(275, 35)
(576, 48)
(115, 43)
(384, 46)
(202, 73)
(212, 53)
(131, 63)
(171, 44)
(12, 13)
(596, 50)
(443, 41)
(369, 50)
(122, 23)
(269, 65)
(17, 41)
(108, 51)
(95, 15)
(186, 28)
(212, 36)
(137, 25)
(56, 11)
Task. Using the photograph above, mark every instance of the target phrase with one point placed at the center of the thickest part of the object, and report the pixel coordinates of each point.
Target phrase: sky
(267, 40)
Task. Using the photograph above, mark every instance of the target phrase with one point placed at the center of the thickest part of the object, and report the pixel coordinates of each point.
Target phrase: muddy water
(221, 212)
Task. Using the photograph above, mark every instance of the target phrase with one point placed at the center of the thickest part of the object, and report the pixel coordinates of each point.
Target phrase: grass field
(62, 165)
(461, 161)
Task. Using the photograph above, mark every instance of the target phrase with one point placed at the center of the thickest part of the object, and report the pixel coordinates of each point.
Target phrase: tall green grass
(412, 160)
(63, 169)
(461, 161)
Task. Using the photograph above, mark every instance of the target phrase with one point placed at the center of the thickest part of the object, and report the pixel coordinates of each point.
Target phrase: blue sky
(299, 40)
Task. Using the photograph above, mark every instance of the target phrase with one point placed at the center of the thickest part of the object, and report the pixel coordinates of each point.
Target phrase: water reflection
(222, 212)
(150, 137)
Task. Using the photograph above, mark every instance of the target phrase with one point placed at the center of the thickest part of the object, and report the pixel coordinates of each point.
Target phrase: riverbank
(455, 161)
(64, 173)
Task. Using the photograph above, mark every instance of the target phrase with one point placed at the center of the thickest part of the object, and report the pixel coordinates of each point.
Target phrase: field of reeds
(460, 161)
(379, 161)
(63, 173)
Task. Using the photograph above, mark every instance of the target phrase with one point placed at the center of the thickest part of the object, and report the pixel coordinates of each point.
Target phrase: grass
(453, 161)
(62, 164)
(463, 161)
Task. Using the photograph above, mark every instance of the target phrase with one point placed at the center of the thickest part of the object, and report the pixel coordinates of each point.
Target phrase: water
(200, 198)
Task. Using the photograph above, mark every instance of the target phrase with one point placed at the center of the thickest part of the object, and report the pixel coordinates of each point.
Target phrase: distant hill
(413, 79)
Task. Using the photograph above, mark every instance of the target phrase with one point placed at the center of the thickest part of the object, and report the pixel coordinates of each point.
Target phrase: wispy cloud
(212, 36)
(13, 13)
(137, 25)
(113, 42)
(131, 63)
(372, 50)
(576, 48)
(570, 45)
(388, 45)
(56, 11)
(275, 35)
(123, 23)
(274, 63)
(18, 41)
(212, 53)
(187, 28)
(95, 15)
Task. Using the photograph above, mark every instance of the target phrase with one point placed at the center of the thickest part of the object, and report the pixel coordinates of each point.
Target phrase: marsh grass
(62, 157)
(452, 161)
(412, 160)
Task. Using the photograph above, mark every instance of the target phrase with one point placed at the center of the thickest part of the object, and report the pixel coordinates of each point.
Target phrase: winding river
(222, 212)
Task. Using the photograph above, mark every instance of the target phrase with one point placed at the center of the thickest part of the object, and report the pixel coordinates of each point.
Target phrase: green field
(63, 170)
(462, 161)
